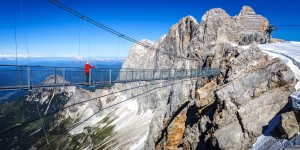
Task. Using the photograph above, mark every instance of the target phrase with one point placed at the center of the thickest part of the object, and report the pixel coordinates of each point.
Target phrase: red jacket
(87, 68)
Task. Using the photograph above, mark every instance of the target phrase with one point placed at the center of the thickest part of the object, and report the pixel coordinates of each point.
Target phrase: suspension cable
(74, 12)
(79, 38)
(16, 42)
(74, 104)
(25, 32)
(87, 40)
(37, 106)
(110, 106)
(288, 26)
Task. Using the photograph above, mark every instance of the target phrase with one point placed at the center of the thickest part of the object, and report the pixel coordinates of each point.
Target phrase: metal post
(196, 73)
(21, 76)
(139, 76)
(54, 75)
(90, 76)
(126, 74)
(143, 74)
(28, 78)
(186, 73)
(180, 74)
(119, 75)
(169, 74)
(175, 74)
(131, 74)
(110, 77)
(160, 74)
(64, 76)
(81, 72)
(199, 73)
(151, 74)
(101, 75)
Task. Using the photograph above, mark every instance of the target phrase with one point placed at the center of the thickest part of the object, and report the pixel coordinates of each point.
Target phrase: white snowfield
(131, 126)
(289, 52)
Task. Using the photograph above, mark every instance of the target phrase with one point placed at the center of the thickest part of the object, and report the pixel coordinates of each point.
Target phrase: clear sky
(53, 32)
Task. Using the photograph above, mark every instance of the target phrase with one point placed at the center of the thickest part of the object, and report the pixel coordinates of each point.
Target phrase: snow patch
(131, 124)
(291, 49)
(88, 117)
(269, 142)
(140, 144)
(233, 44)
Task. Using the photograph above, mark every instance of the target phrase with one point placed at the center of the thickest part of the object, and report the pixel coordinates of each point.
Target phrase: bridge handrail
(27, 77)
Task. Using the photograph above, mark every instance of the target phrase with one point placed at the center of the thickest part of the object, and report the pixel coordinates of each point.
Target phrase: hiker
(87, 68)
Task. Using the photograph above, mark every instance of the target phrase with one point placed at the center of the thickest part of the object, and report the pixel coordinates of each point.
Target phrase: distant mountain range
(63, 61)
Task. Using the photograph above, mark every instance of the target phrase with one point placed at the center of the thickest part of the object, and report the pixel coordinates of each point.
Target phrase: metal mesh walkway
(28, 77)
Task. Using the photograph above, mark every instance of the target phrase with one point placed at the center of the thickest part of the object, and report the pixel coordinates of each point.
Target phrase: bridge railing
(27, 77)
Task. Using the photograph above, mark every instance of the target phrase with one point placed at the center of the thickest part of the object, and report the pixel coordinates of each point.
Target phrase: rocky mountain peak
(189, 39)
(138, 53)
(214, 13)
(187, 19)
(54, 78)
(247, 10)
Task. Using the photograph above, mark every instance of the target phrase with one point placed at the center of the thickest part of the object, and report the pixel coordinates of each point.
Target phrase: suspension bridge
(28, 77)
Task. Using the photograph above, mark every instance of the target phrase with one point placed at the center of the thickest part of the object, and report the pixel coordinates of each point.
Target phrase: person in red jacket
(87, 68)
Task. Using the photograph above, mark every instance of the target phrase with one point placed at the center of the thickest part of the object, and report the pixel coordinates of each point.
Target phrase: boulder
(175, 131)
(289, 124)
(206, 95)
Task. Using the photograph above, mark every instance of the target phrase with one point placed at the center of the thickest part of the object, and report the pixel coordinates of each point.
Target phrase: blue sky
(53, 32)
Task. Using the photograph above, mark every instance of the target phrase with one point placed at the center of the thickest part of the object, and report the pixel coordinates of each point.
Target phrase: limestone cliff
(227, 112)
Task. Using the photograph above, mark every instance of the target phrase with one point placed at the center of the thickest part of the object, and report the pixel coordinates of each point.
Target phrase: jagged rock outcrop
(244, 29)
(187, 44)
(175, 131)
(248, 20)
(206, 95)
(217, 26)
(289, 124)
(139, 53)
(253, 87)
(228, 112)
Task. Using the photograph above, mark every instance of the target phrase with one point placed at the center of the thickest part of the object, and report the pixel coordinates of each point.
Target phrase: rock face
(140, 53)
(175, 131)
(206, 95)
(253, 87)
(225, 112)
(244, 29)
